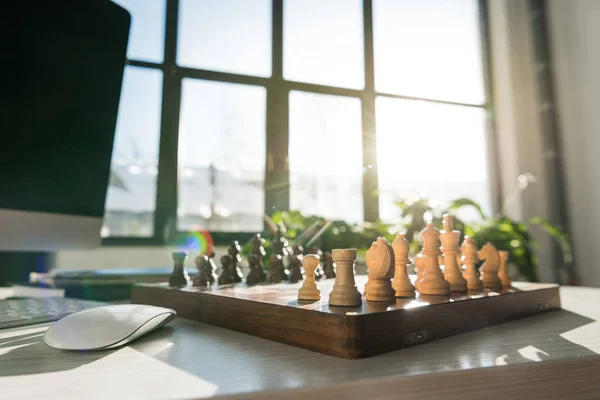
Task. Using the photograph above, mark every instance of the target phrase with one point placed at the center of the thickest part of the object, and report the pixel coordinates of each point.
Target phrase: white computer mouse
(106, 327)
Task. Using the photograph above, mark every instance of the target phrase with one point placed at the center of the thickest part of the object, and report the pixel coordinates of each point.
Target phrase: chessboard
(273, 311)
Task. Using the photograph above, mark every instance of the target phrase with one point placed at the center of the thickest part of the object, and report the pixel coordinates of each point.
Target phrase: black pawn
(256, 273)
(179, 277)
(202, 277)
(278, 272)
(296, 269)
(329, 266)
(226, 277)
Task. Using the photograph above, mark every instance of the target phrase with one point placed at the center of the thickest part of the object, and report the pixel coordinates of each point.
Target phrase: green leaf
(559, 235)
(463, 202)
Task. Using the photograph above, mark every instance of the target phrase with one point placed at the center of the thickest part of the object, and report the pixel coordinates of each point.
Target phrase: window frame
(277, 124)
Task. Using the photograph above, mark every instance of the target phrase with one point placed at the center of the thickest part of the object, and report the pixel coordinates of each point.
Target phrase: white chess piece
(419, 267)
(489, 269)
(433, 282)
(503, 271)
(380, 261)
(469, 260)
(401, 283)
(309, 289)
(344, 291)
(449, 238)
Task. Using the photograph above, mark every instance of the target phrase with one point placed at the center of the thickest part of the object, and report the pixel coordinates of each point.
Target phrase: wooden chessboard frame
(274, 312)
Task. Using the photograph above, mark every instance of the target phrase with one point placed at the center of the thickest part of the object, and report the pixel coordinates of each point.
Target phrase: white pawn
(489, 269)
(344, 291)
(380, 261)
(309, 289)
(419, 267)
(503, 271)
(401, 283)
(433, 282)
(469, 260)
(449, 238)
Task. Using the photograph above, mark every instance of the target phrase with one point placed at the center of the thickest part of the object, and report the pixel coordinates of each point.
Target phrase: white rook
(344, 291)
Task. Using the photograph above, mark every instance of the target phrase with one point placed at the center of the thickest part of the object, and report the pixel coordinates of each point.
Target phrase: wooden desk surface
(194, 360)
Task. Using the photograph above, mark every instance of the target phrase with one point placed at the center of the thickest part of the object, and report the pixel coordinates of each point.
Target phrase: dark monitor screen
(64, 72)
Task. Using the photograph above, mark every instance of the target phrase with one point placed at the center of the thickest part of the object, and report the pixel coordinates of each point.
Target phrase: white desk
(194, 360)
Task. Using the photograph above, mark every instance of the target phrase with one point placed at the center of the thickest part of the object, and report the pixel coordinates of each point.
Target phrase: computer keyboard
(32, 310)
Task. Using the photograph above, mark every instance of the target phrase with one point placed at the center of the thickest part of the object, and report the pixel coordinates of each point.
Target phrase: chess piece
(226, 276)
(211, 268)
(433, 282)
(503, 271)
(449, 238)
(309, 289)
(469, 261)
(380, 261)
(256, 271)
(419, 268)
(401, 283)
(201, 279)
(295, 268)
(344, 291)
(179, 277)
(234, 252)
(419, 265)
(278, 272)
(329, 270)
(489, 269)
(258, 248)
(280, 244)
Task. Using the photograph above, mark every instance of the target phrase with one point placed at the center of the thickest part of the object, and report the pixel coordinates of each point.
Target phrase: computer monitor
(65, 67)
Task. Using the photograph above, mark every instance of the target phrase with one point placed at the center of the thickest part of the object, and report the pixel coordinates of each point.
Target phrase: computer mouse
(106, 327)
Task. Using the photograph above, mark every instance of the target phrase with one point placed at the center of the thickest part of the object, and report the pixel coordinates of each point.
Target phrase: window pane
(428, 49)
(147, 32)
(222, 156)
(325, 152)
(323, 42)
(435, 151)
(225, 35)
(130, 202)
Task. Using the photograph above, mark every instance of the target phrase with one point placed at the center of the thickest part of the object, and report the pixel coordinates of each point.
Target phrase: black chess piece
(319, 273)
(258, 248)
(280, 244)
(256, 271)
(329, 266)
(212, 268)
(203, 265)
(226, 276)
(296, 273)
(234, 252)
(179, 277)
(278, 272)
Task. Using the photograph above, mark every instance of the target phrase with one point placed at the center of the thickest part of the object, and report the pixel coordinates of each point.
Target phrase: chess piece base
(458, 285)
(346, 296)
(492, 283)
(381, 291)
(474, 285)
(309, 292)
(434, 287)
(403, 287)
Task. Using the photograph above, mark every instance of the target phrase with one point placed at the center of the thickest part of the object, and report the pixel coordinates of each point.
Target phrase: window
(221, 156)
(234, 108)
(325, 153)
(131, 197)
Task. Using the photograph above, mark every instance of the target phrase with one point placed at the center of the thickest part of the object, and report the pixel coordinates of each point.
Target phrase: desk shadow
(207, 351)
(28, 354)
